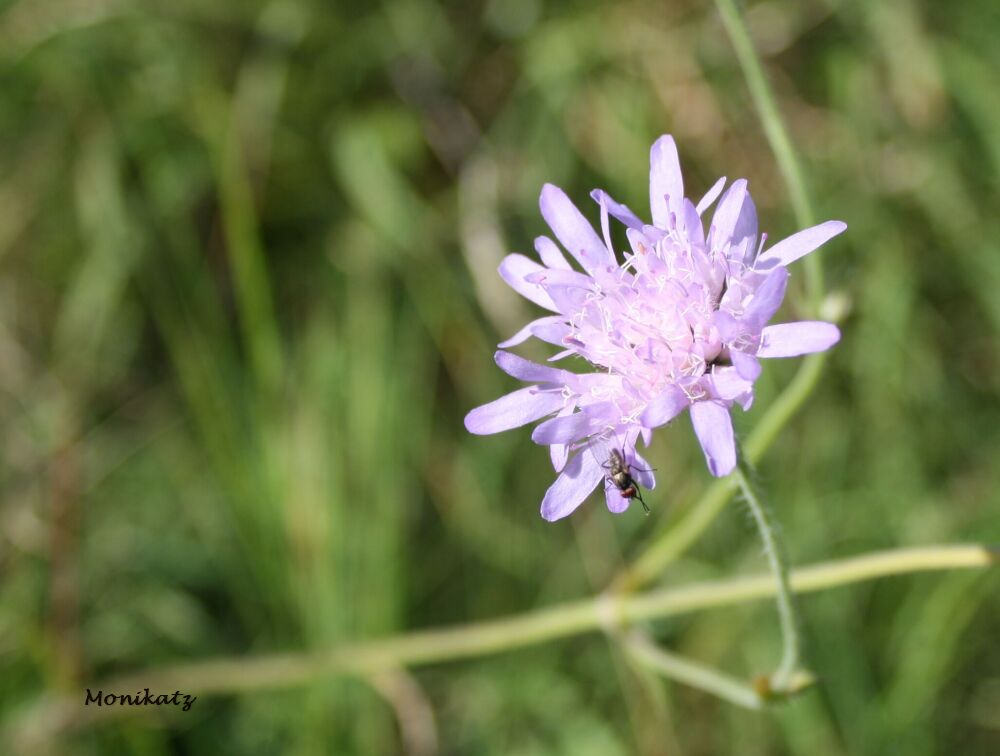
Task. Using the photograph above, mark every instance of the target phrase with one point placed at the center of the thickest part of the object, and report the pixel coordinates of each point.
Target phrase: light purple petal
(580, 476)
(642, 471)
(529, 330)
(561, 355)
(568, 428)
(745, 231)
(518, 338)
(569, 299)
(549, 277)
(572, 229)
(614, 499)
(743, 250)
(664, 407)
(513, 410)
(639, 240)
(729, 327)
(558, 454)
(550, 254)
(766, 300)
(793, 339)
(526, 370)
(513, 270)
(795, 246)
(692, 225)
(665, 179)
(746, 365)
(710, 196)
(551, 330)
(727, 214)
(714, 429)
(606, 224)
(618, 210)
(728, 384)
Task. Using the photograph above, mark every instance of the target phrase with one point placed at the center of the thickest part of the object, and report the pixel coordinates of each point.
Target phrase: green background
(248, 293)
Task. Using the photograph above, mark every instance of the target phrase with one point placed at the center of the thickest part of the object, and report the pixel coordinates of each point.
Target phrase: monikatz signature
(141, 698)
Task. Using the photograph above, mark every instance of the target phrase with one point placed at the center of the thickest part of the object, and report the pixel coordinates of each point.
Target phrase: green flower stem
(674, 541)
(777, 559)
(777, 134)
(235, 675)
(728, 688)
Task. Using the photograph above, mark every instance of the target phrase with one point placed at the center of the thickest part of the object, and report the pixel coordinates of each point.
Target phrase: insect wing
(602, 447)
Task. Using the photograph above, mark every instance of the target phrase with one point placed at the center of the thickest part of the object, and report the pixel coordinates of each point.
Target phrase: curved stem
(234, 675)
(777, 559)
(675, 667)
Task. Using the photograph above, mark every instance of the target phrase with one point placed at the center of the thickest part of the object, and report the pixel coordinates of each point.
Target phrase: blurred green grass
(248, 292)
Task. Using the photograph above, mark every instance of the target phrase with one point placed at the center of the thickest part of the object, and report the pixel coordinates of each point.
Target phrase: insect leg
(638, 495)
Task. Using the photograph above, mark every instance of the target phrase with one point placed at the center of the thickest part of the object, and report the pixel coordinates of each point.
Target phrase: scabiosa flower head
(680, 322)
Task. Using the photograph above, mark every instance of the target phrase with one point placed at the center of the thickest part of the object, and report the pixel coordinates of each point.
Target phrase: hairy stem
(777, 559)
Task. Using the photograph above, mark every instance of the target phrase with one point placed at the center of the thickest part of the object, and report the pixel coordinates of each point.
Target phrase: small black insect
(620, 475)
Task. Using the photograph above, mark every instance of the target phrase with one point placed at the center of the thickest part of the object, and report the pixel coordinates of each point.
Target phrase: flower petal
(745, 231)
(562, 355)
(618, 210)
(550, 254)
(714, 429)
(572, 229)
(728, 384)
(729, 327)
(692, 225)
(795, 246)
(558, 454)
(551, 331)
(568, 428)
(746, 365)
(710, 196)
(513, 410)
(766, 300)
(574, 484)
(665, 180)
(642, 471)
(727, 215)
(605, 224)
(549, 277)
(513, 270)
(569, 299)
(793, 339)
(614, 499)
(664, 407)
(529, 330)
(526, 370)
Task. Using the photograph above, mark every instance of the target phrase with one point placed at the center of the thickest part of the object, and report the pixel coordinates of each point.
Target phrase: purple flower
(680, 323)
